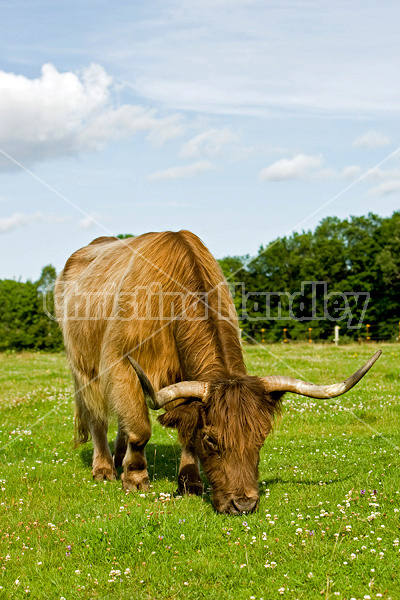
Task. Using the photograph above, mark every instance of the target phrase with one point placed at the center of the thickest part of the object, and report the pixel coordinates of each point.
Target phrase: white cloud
(385, 174)
(16, 220)
(372, 139)
(351, 172)
(297, 167)
(387, 187)
(210, 143)
(20, 219)
(68, 113)
(89, 222)
(181, 172)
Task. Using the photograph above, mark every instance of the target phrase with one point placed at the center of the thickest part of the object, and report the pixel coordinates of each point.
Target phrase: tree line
(24, 324)
(345, 273)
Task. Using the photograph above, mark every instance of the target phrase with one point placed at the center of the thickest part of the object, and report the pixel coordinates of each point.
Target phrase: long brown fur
(226, 430)
(241, 412)
(103, 298)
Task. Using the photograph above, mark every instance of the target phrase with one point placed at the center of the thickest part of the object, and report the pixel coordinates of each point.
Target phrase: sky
(240, 120)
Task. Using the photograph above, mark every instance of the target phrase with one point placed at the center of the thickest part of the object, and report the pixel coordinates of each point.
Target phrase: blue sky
(241, 120)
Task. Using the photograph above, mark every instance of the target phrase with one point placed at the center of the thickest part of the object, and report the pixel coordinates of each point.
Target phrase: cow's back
(108, 304)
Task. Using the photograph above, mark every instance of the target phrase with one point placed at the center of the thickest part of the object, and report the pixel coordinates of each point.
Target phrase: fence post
(336, 338)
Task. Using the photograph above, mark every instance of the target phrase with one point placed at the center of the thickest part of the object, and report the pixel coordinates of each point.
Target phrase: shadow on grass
(162, 463)
(162, 459)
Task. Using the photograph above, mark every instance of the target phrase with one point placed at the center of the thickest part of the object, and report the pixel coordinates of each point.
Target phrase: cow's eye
(210, 442)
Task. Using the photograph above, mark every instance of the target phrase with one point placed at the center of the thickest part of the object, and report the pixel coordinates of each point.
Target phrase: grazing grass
(327, 527)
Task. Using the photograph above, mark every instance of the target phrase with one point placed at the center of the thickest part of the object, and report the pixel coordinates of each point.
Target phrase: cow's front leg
(189, 481)
(134, 429)
(135, 475)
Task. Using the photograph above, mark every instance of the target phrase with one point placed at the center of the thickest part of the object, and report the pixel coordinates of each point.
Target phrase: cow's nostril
(244, 505)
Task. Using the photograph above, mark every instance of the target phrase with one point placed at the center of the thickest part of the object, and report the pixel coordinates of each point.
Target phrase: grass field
(327, 527)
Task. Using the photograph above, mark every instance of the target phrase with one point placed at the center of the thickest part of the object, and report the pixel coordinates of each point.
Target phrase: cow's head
(225, 424)
(226, 430)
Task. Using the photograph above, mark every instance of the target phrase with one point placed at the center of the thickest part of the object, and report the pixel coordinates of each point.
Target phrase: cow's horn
(288, 384)
(156, 400)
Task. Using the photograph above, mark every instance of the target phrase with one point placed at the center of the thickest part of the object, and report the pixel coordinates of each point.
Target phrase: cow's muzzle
(240, 506)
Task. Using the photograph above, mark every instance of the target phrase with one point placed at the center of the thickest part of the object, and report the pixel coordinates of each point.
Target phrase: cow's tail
(81, 425)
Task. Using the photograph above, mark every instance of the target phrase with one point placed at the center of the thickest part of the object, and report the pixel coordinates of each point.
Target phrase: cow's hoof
(104, 473)
(189, 481)
(190, 487)
(135, 480)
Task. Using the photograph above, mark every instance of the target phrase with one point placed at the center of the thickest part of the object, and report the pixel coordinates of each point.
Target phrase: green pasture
(327, 527)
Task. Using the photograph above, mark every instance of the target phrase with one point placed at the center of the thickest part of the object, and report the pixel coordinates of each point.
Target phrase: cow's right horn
(297, 386)
(156, 400)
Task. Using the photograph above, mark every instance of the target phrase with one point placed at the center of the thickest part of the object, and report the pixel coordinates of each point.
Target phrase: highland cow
(148, 322)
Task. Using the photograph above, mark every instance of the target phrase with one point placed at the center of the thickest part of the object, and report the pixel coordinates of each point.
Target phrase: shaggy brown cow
(161, 300)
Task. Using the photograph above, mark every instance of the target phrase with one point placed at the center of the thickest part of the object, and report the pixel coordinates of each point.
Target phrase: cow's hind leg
(103, 466)
(120, 446)
(189, 481)
(85, 422)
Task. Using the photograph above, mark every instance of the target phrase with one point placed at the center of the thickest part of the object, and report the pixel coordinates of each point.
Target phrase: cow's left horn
(156, 400)
(288, 384)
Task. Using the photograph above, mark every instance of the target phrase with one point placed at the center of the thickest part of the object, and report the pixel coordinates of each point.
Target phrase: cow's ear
(184, 418)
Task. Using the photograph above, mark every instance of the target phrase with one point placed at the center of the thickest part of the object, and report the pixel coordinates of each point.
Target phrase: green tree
(48, 333)
(47, 279)
(18, 315)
